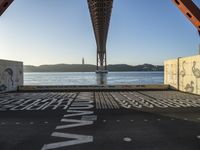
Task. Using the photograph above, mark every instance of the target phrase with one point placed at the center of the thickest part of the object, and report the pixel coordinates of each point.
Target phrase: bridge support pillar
(101, 62)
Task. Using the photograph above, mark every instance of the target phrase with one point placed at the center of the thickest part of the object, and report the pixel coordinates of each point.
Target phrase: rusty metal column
(4, 4)
(100, 11)
(190, 10)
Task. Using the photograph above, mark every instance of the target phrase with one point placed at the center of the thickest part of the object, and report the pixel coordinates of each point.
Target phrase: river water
(90, 78)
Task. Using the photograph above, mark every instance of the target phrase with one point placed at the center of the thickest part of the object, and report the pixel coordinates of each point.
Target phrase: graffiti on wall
(196, 73)
(171, 73)
(11, 75)
(6, 78)
(188, 77)
(182, 73)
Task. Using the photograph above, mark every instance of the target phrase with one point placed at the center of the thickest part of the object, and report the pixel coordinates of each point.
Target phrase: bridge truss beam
(100, 12)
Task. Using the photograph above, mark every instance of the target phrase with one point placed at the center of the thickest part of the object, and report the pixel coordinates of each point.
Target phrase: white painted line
(198, 137)
(118, 120)
(127, 139)
(79, 108)
(78, 139)
(74, 123)
(78, 113)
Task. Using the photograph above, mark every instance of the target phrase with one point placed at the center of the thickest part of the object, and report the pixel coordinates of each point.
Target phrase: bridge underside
(100, 11)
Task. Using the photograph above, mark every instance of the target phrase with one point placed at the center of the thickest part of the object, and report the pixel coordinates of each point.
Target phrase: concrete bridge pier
(101, 62)
(101, 72)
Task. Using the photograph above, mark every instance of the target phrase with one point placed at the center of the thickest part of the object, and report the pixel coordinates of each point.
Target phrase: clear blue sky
(60, 31)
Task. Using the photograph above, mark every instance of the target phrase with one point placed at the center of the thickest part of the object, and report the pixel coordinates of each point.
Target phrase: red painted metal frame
(4, 4)
(190, 10)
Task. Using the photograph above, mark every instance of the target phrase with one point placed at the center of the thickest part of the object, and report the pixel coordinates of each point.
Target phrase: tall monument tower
(83, 61)
(100, 11)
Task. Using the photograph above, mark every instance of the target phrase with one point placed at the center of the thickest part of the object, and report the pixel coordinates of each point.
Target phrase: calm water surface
(89, 78)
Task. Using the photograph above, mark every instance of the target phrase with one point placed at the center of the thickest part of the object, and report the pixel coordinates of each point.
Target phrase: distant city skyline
(47, 32)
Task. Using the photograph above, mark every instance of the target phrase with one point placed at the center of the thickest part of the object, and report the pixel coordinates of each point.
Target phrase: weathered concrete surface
(92, 88)
(131, 120)
(11, 75)
(171, 73)
(183, 74)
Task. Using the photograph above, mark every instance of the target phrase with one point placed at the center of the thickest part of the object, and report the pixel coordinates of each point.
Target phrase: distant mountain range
(90, 68)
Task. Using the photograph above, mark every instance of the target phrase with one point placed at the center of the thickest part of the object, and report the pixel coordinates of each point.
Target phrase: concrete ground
(135, 120)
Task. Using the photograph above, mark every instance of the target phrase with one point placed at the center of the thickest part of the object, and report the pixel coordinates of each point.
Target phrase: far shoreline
(90, 71)
(92, 68)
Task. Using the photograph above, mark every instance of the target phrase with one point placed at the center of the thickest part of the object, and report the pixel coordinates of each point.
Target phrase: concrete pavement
(131, 120)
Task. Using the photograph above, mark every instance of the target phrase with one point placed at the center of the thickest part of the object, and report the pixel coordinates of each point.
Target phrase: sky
(60, 31)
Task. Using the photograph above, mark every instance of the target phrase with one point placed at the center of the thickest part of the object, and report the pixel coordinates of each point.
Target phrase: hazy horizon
(91, 64)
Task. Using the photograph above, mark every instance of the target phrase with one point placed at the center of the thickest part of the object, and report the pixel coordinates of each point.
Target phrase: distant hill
(90, 68)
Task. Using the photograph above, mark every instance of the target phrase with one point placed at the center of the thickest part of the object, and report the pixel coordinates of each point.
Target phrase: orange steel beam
(190, 10)
(4, 4)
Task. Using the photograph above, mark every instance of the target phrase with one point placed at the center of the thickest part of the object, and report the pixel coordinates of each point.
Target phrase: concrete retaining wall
(11, 75)
(171, 73)
(78, 88)
(183, 74)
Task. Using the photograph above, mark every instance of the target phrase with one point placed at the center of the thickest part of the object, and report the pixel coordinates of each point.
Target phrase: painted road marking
(56, 100)
(73, 119)
(149, 99)
(74, 123)
(78, 139)
(127, 139)
(36, 101)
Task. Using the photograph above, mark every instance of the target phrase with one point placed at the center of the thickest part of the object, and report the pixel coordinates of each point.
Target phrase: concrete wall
(183, 74)
(171, 72)
(11, 75)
